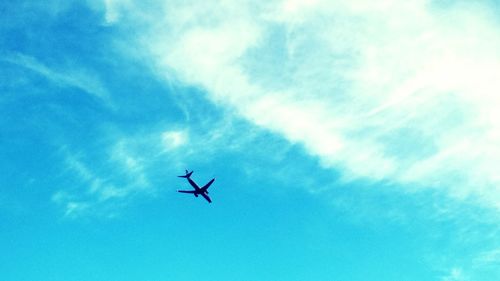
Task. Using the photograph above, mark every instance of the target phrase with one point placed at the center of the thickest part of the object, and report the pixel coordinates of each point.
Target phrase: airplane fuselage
(197, 191)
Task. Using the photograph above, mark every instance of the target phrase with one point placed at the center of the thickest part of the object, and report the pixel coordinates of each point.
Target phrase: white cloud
(173, 139)
(113, 10)
(383, 90)
(455, 274)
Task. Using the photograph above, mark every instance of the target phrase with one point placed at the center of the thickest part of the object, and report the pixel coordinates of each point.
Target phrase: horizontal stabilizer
(187, 175)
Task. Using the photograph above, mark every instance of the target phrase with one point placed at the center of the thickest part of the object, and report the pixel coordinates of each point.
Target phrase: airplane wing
(206, 197)
(193, 184)
(186, 191)
(206, 186)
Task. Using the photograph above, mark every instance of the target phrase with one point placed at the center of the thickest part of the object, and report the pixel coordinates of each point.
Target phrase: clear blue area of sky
(277, 214)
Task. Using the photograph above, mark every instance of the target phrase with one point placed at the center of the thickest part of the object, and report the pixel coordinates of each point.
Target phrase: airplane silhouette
(197, 190)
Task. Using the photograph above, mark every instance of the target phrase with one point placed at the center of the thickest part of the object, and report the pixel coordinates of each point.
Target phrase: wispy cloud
(483, 266)
(73, 207)
(387, 90)
(100, 188)
(455, 274)
(489, 258)
(65, 77)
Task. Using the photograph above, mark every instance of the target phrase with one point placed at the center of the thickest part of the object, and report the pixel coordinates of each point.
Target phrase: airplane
(203, 191)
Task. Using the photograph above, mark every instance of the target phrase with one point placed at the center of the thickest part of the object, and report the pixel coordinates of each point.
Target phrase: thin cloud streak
(73, 77)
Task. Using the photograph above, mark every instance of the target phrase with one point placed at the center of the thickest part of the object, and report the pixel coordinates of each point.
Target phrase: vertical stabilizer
(187, 175)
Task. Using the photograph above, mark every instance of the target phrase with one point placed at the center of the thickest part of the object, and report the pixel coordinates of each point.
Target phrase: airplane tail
(187, 175)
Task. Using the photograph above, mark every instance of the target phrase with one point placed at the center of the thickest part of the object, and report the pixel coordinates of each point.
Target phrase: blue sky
(350, 141)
